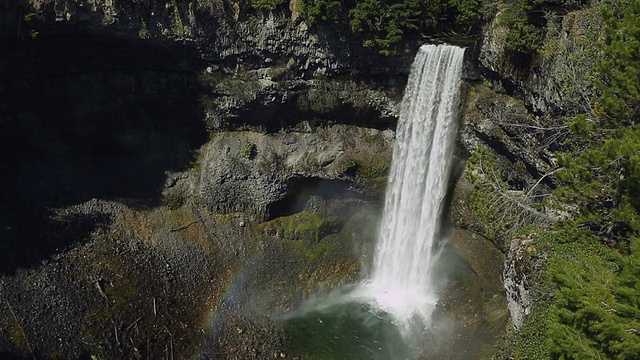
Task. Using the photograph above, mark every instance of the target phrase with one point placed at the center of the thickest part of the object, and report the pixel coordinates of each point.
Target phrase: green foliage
(384, 24)
(587, 299)
(532, 339)
(621, 68)
(523, 20)
(527, 19)
(321, 10)
(503, 212)
(595, 311)
(248, 149)
(487, 185)
(593, 256)
(604, 181)
(576, 46)
(177, 26)
(524, 37)
(143, 32)
(29, 17)
(30, 21)
(466, 13)
(265, 4)
(602, 185)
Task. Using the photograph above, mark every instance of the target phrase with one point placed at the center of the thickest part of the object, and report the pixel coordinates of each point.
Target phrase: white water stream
(380, 318)
(401, 282)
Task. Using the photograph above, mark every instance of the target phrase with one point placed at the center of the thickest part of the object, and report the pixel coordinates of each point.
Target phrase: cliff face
(156, 77)
(181, 168)
(518, 116)
(179, 171)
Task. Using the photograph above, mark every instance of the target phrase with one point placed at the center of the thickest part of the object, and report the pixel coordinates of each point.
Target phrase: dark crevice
(513, 89)
(501, 150)
(272, 119)
(301, 190)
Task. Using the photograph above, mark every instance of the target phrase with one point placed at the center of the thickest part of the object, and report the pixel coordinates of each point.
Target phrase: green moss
(304, 232)
(18, 339)
(312, 253)
(375, 176)
(118, 308)
(28, 17)
(122, 295)
(227, 218)
(174, 200)
(349, 167)
(306, 225)
(321, 100)
(372, 171)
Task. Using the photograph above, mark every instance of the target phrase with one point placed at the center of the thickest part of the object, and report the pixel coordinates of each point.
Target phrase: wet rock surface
(474, 303)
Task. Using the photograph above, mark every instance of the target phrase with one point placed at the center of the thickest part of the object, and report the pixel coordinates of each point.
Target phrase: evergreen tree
(621, 95)
(597, 301)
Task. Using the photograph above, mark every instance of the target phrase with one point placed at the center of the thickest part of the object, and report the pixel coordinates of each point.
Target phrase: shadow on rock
(10, 356)
(84, 117)
(34, 236)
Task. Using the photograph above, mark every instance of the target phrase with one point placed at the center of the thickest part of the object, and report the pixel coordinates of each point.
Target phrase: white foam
(401, 282)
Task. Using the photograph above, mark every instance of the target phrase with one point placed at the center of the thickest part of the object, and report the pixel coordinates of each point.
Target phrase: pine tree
(597, 301)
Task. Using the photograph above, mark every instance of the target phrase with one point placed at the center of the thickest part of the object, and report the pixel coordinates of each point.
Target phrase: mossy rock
(306, 226)
(305, 234)
(371, 172)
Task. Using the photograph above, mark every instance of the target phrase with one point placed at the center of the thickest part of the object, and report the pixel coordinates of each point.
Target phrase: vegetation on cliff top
(527, 20)
(385, 24)
(597, 301)
(587, 281)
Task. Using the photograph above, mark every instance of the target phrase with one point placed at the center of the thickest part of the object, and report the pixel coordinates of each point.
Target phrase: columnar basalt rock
(147, 140)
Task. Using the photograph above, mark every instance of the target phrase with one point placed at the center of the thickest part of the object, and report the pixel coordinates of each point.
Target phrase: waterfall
(400, 282)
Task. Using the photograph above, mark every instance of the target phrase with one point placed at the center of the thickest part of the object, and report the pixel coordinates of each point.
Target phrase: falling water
(401, 282)
(377, 319)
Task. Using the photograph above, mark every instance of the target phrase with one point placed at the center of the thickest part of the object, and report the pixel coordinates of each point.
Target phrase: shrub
(248, 150)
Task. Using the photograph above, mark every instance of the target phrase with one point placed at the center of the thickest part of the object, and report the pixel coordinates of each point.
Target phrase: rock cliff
(180, 172)
(181, 169)
(519, 114)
